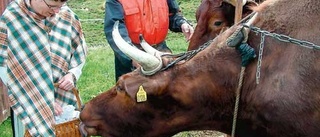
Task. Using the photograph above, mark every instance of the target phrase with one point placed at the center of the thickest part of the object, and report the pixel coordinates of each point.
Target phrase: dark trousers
(123, 65)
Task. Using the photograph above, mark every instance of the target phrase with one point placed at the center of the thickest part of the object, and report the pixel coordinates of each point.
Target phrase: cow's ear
(248, 7)
(151, 87)
(131, 86)
(155, 87)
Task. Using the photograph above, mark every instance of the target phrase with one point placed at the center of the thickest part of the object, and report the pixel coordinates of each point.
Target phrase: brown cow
(213, 17)
(199, 94)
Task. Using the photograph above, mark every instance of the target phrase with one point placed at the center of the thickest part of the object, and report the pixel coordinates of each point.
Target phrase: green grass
(5, 129)
(98, 73)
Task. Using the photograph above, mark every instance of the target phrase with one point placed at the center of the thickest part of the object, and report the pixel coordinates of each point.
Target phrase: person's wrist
(186, 21)
(73, 77)
(182, 22)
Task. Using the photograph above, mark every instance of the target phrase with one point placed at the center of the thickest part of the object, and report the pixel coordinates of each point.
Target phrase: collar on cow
(238, 40)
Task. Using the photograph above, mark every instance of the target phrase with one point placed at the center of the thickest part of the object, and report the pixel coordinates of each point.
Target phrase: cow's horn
(149, 63)
(148, 48)
(234, 2)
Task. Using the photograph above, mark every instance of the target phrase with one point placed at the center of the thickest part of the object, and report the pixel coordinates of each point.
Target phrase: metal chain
(284, 38)
(192, 53)
(280, 37)
(186, 55)
(260, 58)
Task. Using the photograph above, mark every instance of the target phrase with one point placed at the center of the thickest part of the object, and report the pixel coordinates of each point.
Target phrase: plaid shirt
(37, 53)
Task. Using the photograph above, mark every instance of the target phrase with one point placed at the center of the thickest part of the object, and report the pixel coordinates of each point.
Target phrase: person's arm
(178, 23)
(3, 51)
(77, 71)
(78, 56)
(176, 18)
(114, 12)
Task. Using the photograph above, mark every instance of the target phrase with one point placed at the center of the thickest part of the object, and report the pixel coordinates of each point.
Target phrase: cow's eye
(217, 23)
(119, 88)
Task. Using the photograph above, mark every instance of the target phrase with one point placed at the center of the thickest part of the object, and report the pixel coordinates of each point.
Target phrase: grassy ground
(98, 73)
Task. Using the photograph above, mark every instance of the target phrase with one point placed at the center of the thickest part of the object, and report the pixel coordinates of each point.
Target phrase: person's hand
(187, 31)
(67, 82)
(57, 109)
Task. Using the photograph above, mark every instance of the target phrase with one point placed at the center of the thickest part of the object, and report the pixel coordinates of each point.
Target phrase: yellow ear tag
(141, 95)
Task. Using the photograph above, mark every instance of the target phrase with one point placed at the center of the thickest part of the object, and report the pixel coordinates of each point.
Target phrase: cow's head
(214, 17)
(172, 106)
(117, 112)
(173, 99)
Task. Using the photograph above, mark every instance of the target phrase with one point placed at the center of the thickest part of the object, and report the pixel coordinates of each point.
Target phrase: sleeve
(79, 55)
(77, 71)
(3, 74)
(3, 50)
(114, 12)
(176, 18)
(3, 43)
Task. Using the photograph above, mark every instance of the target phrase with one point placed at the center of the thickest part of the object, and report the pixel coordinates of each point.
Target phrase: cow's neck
(209, 80)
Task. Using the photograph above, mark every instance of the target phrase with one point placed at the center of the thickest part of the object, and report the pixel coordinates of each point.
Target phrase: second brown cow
(215, 16)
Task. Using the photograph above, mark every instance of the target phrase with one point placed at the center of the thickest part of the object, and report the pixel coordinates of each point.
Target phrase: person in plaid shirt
(41, 43)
